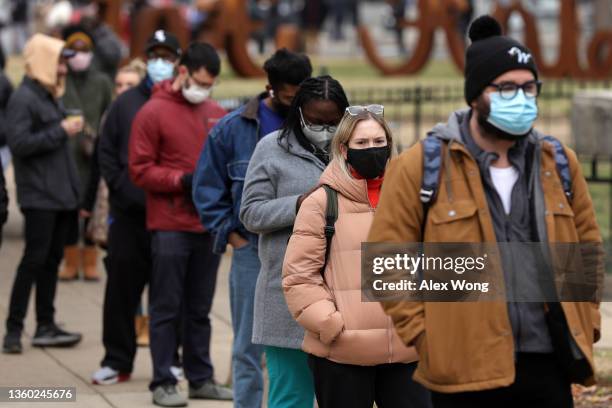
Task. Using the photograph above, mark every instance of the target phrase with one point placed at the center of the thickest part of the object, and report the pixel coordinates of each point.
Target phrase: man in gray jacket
(47, 188)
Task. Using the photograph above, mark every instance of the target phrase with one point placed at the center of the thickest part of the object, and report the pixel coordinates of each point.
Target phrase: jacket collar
(290, 143)
(145, 87)
(516, 154)
(37, 88)
(251, 108)
(352, 188)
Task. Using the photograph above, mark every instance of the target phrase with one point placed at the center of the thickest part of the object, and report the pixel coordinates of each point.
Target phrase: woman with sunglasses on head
(285, 166)
(354, 353)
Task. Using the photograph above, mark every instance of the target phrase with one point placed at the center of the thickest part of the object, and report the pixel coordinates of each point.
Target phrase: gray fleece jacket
(280, 171)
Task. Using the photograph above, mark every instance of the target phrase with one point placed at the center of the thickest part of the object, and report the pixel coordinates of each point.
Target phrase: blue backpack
(432, 161)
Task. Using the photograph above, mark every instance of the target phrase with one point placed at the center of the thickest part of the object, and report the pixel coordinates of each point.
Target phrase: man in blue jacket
(217, 192)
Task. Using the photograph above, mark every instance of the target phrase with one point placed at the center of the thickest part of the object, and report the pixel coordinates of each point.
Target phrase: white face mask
(196, 94)
(318, 137)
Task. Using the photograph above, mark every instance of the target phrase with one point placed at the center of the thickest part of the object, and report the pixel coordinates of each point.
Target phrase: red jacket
(167, 137)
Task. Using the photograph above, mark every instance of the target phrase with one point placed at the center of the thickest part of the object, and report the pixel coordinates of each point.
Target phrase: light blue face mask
(159, 69)
(514, 116)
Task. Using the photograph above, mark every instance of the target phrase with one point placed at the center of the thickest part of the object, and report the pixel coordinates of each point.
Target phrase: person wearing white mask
(285, 167)
(88, 94)
(166, 139)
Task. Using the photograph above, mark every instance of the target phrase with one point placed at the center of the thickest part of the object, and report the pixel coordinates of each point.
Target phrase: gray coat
(278, 173)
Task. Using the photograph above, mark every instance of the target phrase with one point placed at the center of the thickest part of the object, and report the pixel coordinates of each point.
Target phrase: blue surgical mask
(514, 116)
(159, 69)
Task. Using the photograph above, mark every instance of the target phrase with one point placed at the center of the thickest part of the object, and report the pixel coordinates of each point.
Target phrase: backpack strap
(562, 166)
(331, 215)
(432, 161)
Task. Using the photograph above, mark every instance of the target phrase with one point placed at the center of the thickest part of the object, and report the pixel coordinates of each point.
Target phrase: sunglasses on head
(357, 110)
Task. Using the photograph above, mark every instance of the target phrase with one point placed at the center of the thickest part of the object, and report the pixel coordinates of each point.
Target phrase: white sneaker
(107, 376)
(178, 373)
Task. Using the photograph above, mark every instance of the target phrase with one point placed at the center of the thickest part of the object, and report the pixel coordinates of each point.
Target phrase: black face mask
(369, 163)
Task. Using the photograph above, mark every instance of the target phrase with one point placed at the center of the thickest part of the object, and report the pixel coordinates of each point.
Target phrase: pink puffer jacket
(339, 326)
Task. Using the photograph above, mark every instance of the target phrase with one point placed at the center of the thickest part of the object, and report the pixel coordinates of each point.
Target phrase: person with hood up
(167, 136)
(89, 92)
(355, 356)
(47, 188)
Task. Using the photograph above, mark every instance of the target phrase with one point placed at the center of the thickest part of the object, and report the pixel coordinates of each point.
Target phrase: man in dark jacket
(167, 136)
(217, 193)
(128, 263)
(47, 188)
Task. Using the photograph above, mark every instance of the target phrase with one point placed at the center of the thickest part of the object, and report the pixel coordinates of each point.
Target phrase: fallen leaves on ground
(592, 397)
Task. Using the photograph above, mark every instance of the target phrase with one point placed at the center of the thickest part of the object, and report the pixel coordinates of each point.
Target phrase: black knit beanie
(490, 55)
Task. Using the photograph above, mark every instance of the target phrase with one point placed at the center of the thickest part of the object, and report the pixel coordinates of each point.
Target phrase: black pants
(78, 232)
(539, 383)
(128, 266)
(182, 283)
(46, 233)
(345, 385)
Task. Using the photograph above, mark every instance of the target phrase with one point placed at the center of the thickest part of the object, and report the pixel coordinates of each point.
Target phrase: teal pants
(291, 384)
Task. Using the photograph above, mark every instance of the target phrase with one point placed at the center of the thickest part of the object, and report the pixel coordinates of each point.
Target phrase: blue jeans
(246, 356)
(183, 283)
(291, 383)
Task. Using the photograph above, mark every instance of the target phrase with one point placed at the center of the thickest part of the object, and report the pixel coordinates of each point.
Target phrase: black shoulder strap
(331, 215)
(562, 166)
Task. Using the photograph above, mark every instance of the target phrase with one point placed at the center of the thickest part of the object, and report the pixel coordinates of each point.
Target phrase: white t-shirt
(504, 179)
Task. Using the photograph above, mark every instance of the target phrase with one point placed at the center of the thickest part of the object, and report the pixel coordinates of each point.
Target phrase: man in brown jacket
(499, 182)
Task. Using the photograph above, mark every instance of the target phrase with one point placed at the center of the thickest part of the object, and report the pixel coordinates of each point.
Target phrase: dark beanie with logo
(490, 55)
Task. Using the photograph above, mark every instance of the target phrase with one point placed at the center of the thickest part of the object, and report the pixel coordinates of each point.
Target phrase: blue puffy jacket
(219, 175)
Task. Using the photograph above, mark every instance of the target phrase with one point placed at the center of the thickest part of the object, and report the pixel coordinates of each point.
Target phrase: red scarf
(374, 186)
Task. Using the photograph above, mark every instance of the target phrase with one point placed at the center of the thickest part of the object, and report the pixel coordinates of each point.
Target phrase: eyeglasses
(357, 110)
(316, 128)
(508, 90)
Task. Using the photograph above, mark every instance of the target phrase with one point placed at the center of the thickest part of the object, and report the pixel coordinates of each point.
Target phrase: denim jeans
(246, 356)
(183, 283)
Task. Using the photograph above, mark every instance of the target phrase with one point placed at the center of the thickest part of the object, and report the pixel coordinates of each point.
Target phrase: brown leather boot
(142, 331)
(70, 268)
(90, 263)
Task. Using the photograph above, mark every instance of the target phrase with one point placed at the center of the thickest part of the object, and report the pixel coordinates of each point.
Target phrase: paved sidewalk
(79, 308)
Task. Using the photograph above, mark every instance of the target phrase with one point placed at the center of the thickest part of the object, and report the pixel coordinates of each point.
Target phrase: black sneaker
(52, 336)
(12, 343)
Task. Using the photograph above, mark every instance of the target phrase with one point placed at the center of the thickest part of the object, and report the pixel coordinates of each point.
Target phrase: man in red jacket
(167, 135)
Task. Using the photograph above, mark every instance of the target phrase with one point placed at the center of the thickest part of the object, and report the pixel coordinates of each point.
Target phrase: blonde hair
(345, 131)
(136, 66)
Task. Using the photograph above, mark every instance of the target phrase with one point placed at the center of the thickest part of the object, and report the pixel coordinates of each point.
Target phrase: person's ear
(344, 151)
(270, 90)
